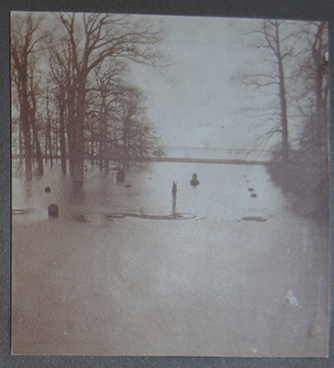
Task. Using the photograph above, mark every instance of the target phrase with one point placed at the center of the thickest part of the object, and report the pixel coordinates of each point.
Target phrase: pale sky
(196, 97)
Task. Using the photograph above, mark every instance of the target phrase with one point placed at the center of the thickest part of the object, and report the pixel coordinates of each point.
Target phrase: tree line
(71, 94)
(292, 78)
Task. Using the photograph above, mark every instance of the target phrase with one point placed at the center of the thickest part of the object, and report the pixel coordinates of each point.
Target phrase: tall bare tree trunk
(62, 140)
(24, 122)
(39, 155)
(77, 152)
(282, 93)
(27, 144)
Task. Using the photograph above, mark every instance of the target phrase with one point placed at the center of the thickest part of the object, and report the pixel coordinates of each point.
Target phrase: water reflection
(77, 194)
(214, 285)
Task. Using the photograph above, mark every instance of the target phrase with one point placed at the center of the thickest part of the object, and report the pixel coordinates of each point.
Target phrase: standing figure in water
(174, 190)
(194, 181)
(120, 176)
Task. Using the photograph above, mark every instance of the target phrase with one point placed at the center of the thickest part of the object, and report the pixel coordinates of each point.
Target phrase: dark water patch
(254, 218)
(80, 218)
(20, 211)
(175, 216)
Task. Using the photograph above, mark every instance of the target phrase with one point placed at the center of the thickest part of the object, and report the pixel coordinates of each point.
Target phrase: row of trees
(293, 76)
(71, 95)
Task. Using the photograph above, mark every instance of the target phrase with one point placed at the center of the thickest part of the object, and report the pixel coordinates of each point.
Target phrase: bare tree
(92, 40)
(129, 110)
(312, 88)
(24, 38)
(305, 174)
(83, 63)
(275, 42)
(62, 77)
(102, 93)
(310, 168)
(117, 126)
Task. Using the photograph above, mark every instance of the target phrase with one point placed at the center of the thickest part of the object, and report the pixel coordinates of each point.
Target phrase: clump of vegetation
(305, 180)
(294, 72)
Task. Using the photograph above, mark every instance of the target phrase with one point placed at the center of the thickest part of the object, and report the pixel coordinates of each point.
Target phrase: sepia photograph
(170, 186)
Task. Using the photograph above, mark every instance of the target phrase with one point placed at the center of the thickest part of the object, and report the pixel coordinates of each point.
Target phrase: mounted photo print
(170, 186)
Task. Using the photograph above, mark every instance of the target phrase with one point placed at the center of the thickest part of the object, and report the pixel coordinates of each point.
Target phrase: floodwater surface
(245, 277)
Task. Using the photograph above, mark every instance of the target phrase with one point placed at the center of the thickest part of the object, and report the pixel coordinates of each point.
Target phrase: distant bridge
(201, 155)
(179, 159)
(204, 161)
(211, 155)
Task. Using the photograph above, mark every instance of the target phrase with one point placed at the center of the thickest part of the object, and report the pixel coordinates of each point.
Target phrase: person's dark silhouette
(120, 176)
(174, 190)
(194, 181)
